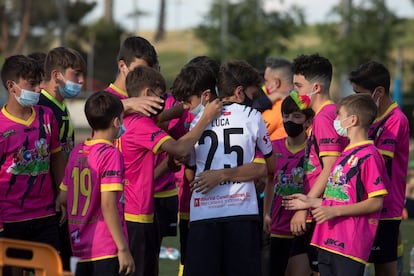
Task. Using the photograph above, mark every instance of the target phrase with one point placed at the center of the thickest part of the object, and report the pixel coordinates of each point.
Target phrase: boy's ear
(9, 84)
(116, 122)
(145, 92)
(238, 93)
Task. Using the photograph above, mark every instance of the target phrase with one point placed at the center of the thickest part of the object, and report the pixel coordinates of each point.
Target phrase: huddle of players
(326, 168)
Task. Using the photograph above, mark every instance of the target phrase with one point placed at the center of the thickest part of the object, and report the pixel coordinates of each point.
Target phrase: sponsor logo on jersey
(334, 243)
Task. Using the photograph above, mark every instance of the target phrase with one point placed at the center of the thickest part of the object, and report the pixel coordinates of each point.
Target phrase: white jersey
(230, 140)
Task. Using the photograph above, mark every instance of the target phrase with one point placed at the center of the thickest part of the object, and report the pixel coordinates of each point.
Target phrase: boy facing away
(93, 183)
(353, 197)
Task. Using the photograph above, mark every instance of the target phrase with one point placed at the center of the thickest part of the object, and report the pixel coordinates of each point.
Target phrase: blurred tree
(28, 25)
(251, 33)
(369, 33)
(160, 33)
(109, 11)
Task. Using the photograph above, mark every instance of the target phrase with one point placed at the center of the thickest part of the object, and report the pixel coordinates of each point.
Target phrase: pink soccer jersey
(25, 178)
(391, 136)
(94, 167)
(288, 180)
(356, 176)
(139, 144)
(323, 141)
(121, 94)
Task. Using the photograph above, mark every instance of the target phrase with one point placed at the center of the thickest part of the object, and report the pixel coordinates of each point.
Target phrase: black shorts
(105, 267)
(385, 247)
(301, 245)
(223, 248)
(166, 211)
(183, 225)
(45, 230)
(144, 243)
(334, 264)
(279, 254)
(409, 206)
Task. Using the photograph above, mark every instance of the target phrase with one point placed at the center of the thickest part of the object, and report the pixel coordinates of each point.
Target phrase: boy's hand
(60, 207)
(126, 262)
(296, 202)
(147, 105)
(212, 109)
(267, 223)
(323, 213)
(206, 181)
(298, 222)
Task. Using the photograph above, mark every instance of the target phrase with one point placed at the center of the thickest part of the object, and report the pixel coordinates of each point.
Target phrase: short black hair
(101, 108)
(237, 73)
(62, 58)
(370, 75)
(313, 67)
(20, 66)
(142, 77)
(138, 47)
(210, 62)
(193, 79)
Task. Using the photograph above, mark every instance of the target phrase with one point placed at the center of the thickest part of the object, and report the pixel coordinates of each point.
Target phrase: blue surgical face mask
(342, 131)
(199, 108)
(121, 131)
(27, 98)
(71, 89)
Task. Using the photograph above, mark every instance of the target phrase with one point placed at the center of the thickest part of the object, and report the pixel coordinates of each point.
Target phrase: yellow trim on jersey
(63, 187)
(391, 107)
(329, 153)
(157, 148)
(98, 258)
(296, 149)
(46, 216)
(323, 105)
(118, 90)
(387, 153)
(91, 142)
(184, 215)
(111, 187)
(288, 237)
(27, 122)
(164, 194)
(347, 256)
(139, 218)
(61, 105)
(56, 150)
(378, 193)
(365, 142)
(394, 218)
(259, 160)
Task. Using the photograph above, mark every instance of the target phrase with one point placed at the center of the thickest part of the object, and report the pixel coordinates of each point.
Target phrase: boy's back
(94, 166)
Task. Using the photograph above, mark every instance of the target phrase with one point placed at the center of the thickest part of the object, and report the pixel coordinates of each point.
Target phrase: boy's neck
(120, 82)
(357, 135)
(103, 135)
(295, 142)
(319, 100)
(18, 111)
(53, 89)
(385, 105)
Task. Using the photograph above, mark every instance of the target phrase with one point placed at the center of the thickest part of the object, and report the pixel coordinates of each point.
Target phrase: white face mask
(342, 131)
(199, 108)
(27, 98)
(377, 100)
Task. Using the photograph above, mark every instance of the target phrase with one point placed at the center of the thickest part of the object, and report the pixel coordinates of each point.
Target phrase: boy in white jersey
(93, 185)
(391, 135)
(347, 216)
(142, 140)
(224, 218)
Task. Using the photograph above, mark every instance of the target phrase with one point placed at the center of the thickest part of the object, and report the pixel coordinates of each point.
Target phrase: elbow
(262, 171)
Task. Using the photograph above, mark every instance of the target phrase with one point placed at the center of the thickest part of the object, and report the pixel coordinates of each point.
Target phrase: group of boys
(326, 181)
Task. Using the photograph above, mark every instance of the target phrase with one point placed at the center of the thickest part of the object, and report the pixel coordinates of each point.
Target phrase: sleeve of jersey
(388, 138)
(149, 134)
(111, 170)
(374, 178)
(259, 157)
(329, 142)
(264, 145)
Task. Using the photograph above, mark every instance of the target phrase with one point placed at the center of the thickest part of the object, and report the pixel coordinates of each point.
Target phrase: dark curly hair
(314, 68)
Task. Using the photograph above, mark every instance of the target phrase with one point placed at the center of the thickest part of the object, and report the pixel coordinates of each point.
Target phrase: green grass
(170, 268)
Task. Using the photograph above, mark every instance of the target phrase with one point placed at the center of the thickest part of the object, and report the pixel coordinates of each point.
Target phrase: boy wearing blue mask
(64, 75)
(32, 160)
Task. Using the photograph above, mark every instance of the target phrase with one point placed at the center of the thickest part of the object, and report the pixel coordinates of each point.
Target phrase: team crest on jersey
(47, 129)
(75, 237)
(266, 138)
(9, 133)
(352, 161)
(31, 161)
(197, 202)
